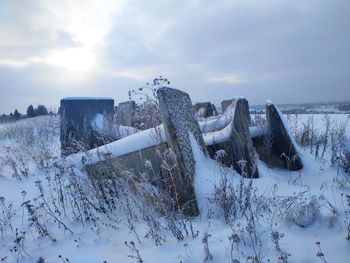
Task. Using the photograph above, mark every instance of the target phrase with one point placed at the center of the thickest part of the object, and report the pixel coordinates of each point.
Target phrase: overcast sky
(285, 51)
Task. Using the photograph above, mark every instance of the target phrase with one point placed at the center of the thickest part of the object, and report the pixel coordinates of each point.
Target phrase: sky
(286, 51)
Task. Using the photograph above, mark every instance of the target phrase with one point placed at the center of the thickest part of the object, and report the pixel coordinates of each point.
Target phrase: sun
(72, 59)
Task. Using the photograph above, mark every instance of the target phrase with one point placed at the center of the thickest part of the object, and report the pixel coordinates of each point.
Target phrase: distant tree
(11, 117)
(41, 110)
(16, 115)
(30, 111)
(4, 118)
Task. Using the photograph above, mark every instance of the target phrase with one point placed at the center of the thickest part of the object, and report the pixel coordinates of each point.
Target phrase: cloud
(64, 33)
(227, 78)
(287, 51)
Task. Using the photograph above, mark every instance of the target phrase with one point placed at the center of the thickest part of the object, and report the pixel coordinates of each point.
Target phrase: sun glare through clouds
(73, 59)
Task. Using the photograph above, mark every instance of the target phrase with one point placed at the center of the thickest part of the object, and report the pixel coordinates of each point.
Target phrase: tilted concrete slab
(277, 147)
(205, 109)
(237, 144)
(179, 122)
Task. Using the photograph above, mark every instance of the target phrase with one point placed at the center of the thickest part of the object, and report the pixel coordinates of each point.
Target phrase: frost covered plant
(29, 143)
(303, 212)
(234, 242)
(258, 120)
(276, 236)
(234, 201)
(320, 253)
(7, 214)
(64, 260)
(17, 249)
(47, 209)
(345, 161)
(225, 197)
(220, 155)
(34, 218)
(15, 160)
(267, 145)
(147, 113)
(208, 257)
(135, 253)
(241, 210)
(346, 205)
(149, 92)
(40, 260)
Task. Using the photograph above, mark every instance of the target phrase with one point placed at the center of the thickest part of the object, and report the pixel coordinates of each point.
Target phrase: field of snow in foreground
(50, 212)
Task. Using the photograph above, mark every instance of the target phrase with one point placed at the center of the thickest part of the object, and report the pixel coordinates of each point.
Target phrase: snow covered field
(50, 212)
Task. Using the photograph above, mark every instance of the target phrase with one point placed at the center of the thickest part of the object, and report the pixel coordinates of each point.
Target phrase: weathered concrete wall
(226, 103)
(148, 160)
(76, 116)
(179, 125)
(126, 113)
(208, 108)
(179, 121)
(282, 143)
(239, 149)
(276, 147)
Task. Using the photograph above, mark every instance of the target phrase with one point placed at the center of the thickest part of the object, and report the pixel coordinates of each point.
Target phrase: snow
(257, 131)
(220, 136)
(87, 98)
(129, 144)
(89, 243)
(319, 121)
(218, 130)
(315, 180)
(101, 125)
(207, 175)
(99, 122)
(200, 113)
(268, 103)
(216, 123)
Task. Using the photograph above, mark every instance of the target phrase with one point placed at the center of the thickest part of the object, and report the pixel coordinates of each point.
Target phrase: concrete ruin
(238, 146)
(205, 110)
(126, 113)
(179, 124)
(229, 133)
(276, 146)
(77, 115)
(226, 103)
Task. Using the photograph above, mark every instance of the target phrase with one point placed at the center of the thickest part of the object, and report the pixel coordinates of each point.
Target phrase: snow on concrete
(316, 181)
(257, 131)
(216, 123)
(129, 144)
(87, 98)
(103, 126)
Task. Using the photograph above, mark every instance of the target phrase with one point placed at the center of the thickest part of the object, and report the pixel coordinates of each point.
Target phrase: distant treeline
(40, 110)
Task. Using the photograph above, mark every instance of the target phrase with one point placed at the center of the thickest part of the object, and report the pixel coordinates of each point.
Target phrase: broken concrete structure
(238, 146)
(76, 116)
(166, 156)
(126, 113)
(205, 109)
(179, 124)
(276, 146)
(227, 103)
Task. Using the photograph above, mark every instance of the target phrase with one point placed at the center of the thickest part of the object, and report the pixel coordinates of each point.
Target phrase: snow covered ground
(52, 213)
